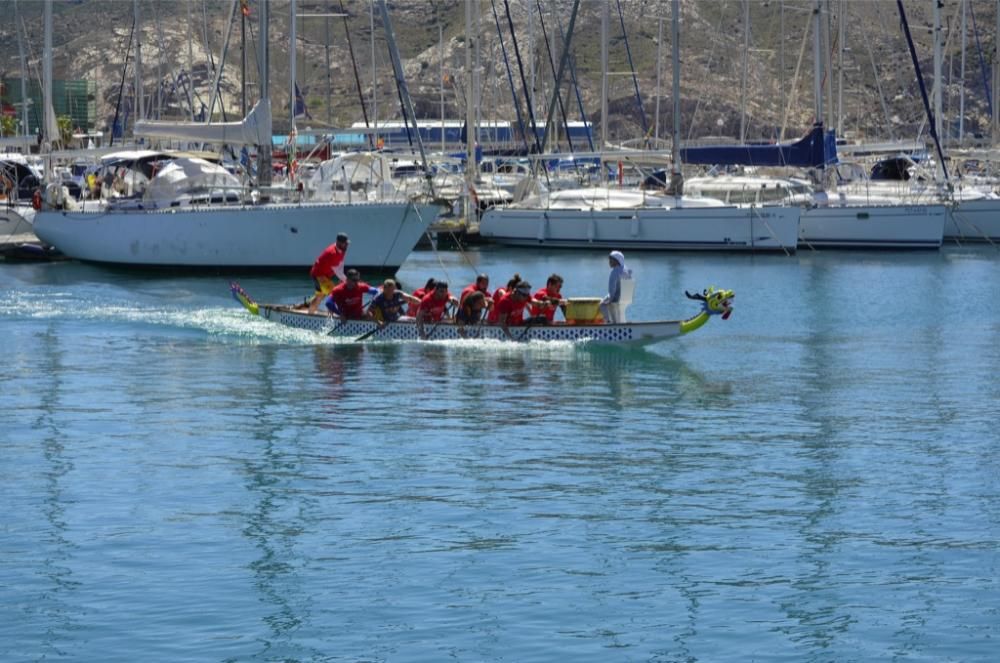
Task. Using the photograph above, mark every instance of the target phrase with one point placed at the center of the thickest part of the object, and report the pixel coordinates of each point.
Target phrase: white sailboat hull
(873, 226)
(15, 219)
(263, 236)
(974, 220)
(695, 228)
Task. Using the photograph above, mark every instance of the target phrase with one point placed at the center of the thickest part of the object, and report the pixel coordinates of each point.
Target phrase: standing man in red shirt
(328, 264)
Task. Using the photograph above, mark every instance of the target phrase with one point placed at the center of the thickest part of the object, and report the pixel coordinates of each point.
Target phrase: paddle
(329, 331)
(524, 334)
(448, 308)
(377, 329)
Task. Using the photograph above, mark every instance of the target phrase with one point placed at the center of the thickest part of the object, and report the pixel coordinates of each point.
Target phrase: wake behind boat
(713, 302)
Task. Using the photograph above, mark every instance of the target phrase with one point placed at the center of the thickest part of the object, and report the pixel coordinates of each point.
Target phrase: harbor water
(815, 479)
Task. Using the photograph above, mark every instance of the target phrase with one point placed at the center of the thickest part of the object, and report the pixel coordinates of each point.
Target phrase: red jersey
(549, 311)
(349, 302)
(432, 307)
(494, 314)
(469, 289)
(331, 257)
(513, 309)
(419, 293)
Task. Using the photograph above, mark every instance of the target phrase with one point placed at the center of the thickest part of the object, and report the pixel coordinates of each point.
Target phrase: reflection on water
(815, 478)
(476, 384)
(55, 606)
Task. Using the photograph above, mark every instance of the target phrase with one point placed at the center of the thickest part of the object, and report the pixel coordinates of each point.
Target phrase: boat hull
(974, 221)
(634, 333)
(692, 229)
(873, 226)
(263, 236)
(16, 219)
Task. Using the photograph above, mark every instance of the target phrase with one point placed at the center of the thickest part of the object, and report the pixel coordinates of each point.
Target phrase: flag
(245, 7)
(300, 105)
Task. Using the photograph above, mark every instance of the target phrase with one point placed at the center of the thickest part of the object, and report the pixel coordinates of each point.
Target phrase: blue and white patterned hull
(632, 333)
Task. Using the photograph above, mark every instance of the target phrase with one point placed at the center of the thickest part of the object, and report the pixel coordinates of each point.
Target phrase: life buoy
(36, 199)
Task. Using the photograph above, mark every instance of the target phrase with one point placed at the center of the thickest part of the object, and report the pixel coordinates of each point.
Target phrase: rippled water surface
(815, 479)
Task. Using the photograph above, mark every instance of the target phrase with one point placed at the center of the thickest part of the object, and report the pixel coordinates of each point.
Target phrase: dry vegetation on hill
(91, 37)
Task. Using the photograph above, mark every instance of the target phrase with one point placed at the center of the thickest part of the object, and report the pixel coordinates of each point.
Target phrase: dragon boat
(713, 302)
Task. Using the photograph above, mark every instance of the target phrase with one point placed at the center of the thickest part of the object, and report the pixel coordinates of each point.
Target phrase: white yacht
(195, 214)
(972, 210)
(632, 218)
(834, 219)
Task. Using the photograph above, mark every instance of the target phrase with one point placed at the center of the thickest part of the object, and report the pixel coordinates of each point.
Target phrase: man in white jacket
(611, 309)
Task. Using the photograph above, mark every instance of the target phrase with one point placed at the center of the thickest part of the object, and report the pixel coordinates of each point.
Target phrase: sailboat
(601, 218)
(255, 231)
(830, 218)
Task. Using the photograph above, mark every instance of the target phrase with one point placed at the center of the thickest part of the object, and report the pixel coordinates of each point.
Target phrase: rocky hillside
(880, 96)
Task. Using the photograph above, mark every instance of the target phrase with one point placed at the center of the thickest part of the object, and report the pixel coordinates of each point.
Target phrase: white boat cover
(254, 129)
(188, 175)
(355, 171)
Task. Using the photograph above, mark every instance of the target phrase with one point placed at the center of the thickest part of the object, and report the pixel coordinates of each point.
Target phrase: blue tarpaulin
(818, 148)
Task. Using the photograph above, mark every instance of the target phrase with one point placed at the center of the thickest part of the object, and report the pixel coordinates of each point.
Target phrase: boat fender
(36, 199)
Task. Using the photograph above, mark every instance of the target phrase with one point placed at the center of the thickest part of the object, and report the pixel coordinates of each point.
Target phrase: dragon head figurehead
(714, 301)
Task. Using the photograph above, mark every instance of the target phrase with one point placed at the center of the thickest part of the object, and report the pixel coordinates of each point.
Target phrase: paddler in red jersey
(347, 299)
(510, 308)
(552, 297)
(493, 317)
(482, 284)
(432, 306)
(420, 293)
(328, 264)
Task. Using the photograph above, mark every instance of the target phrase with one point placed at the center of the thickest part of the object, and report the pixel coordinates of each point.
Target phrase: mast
(676, 177)
(371, 19)
(50, 129)
(818, 68)
(781, 62)
(243, 62)
(817, 63)
(293, 134)
(190, 83)
(329, 76)
(827, 64)
(659, 70)
(404, 93)
(470, 135)
(470, 132)
(441, 70)
(842, 17)
(216, 82)
(604, 73)
(557, 83)
(263, 62)
(961, 87)
(743, 77)
(995, 119)
(139, 110)
(938, 81)
(24, 72)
